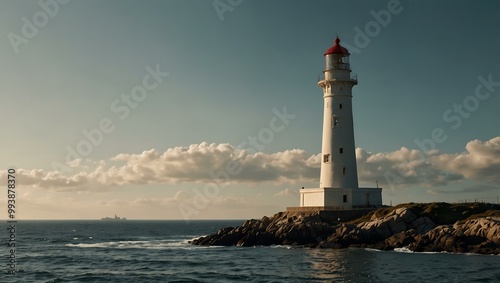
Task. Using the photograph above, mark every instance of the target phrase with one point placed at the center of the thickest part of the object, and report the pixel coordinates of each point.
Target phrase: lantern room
(337, 57)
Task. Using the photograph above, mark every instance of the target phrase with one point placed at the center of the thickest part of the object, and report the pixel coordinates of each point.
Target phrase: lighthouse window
(341, 150)
(343, 170)
(344, 198)
(340, 106)
(326, 158)
(335, 121)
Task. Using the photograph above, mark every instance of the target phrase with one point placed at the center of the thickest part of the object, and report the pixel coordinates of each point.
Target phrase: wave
(141, 244)
(281, 246)
(152, 244)
(404, 250)
(407, 250)
(372, 250)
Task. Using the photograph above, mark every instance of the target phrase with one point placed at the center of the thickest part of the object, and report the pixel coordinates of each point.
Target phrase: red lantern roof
(337, 49)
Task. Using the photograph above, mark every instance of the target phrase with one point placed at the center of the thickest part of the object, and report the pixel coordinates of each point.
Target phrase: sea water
(158, 251)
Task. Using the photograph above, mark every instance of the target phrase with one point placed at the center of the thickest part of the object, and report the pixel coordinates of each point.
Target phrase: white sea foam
(372, 250)
(281, 246)
(403, 250)
(407, 250)
(151, 244)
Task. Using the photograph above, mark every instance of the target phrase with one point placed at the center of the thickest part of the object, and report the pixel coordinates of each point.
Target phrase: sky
(211, 109)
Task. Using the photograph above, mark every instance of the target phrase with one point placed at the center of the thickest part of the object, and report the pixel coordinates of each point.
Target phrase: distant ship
(114, 219)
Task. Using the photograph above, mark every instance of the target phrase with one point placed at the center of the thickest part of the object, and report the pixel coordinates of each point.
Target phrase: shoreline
(419, 227)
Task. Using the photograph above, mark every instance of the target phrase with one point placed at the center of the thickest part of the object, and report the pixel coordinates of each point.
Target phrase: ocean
(158, 251)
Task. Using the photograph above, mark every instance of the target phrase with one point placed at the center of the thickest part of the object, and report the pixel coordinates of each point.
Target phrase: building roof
(337, 48)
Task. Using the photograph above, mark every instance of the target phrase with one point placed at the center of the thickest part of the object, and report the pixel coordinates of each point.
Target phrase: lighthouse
(338, 185)
(338, 166)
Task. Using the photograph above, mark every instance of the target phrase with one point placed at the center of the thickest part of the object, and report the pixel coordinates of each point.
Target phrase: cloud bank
(225, 163)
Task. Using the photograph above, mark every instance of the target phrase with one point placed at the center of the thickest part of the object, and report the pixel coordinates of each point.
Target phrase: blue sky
(227, 70)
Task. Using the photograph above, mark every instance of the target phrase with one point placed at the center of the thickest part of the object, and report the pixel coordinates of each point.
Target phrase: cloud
(401, 167)
(112, 203)
(467, 189)
(286, 193)
(480, 161)
(226, 164)
(51, 179)
(205, 162)
(230, 201)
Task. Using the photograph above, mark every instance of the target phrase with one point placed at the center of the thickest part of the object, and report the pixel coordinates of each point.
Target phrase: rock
(401, 239)
(266, 239)
(477, 235)
(488, 228)
(248, 240)
(379, 246)
(422, 225)
(384, 230)
(395, 222)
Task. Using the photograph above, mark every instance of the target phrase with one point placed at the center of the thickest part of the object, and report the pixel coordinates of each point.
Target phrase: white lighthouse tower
(338, 187)
(338, 166)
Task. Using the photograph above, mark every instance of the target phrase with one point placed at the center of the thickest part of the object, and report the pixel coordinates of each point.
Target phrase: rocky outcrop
(385, 230)
(394, 230)
(284, 228)
(480, 235)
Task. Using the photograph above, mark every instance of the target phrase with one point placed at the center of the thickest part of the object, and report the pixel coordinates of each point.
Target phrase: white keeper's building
(338, 186)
